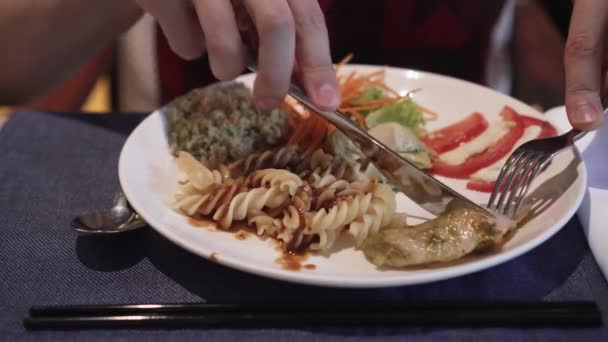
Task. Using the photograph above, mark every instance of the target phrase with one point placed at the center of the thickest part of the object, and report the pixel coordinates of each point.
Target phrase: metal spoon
(120, 218)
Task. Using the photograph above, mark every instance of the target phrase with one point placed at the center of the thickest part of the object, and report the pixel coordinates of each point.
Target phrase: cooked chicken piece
(456, 233)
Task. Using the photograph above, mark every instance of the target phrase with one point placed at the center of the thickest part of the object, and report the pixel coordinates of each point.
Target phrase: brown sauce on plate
(201, 222)
(292, 261)
(242, 235)
(213, 257)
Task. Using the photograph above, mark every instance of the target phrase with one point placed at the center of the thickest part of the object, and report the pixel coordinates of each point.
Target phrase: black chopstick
(472, 314)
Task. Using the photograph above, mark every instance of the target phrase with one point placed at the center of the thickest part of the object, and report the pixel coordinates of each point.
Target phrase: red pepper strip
(481, 186)
(487, 157)
(547, 129)
(454, 135)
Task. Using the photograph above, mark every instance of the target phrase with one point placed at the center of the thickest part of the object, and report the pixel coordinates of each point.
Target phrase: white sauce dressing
(491, 136)
(490, 173)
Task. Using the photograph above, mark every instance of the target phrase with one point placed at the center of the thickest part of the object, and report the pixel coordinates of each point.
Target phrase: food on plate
(221, 124)
(456, 134)
(399, 138)
(302, 212)
(484, 179)
(547, 130)
(404, 112)
(392, 117)
(290, 175)
(458, 232)
(479, 157)
(403, 141)
(370, 101)
(483, 151)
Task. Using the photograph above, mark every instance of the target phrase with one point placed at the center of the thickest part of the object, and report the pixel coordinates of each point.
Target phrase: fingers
(583, 62)
(313, 55)
(274, 23)
(180, 26)
(224, 45)
(277, 33)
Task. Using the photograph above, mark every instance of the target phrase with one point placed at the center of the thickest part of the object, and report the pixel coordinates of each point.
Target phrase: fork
(523, 166)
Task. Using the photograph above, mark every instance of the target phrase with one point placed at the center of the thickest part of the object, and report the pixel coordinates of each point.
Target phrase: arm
(44, 41)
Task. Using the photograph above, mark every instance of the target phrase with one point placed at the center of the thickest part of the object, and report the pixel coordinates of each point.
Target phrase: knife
(424, 189)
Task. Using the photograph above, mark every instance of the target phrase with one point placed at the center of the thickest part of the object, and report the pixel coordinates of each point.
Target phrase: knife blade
(424, 189)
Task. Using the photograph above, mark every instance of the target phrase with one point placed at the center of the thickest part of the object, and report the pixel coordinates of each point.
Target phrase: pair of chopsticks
(454, 314)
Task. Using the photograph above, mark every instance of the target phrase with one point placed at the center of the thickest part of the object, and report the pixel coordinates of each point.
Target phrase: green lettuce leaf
(374, 93)
(403, 112)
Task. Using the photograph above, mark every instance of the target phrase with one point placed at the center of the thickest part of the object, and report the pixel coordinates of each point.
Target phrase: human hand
(290, 33)
(585, 62)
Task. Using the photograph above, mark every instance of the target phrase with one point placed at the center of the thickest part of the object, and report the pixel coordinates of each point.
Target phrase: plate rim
(309, 278)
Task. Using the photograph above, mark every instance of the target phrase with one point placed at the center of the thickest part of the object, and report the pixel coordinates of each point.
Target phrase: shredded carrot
(330, 128)
(357, 108)
(349, 77)
(311, 130)
(352, 90)
(318, 131)
(344, 61)
(431, 115)
(376, 73)
(382, 101)
(358, 116)
(386, 87)
(301, 131)
(295, 137)
(409, 93)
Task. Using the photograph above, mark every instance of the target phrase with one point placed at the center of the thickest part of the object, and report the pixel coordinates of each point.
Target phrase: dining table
(55, 166)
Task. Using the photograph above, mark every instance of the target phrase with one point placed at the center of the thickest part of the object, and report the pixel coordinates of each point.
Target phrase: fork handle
(576, 134)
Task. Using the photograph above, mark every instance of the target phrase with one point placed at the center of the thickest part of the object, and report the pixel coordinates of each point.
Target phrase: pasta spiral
(285, 180)
(198, 179)
(328, 224)
(198, 174)
(322, 163)
(276, 158)
(265, 224)
(304, 199)
(268, 188)
(219, 196)
(378, 214)
(294, 222)
(251, 201)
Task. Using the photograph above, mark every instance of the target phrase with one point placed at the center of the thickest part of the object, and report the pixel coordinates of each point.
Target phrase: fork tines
(514, 180)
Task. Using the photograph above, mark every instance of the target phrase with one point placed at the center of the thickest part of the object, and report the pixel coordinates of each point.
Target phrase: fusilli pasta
(377, 215)
(311, 209)
(322, 163)
(276, 158)
(328, 224)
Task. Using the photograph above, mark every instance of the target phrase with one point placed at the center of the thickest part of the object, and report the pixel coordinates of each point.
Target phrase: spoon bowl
(120, 218)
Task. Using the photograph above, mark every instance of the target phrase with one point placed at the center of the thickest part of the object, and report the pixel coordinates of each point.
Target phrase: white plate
(149, 179)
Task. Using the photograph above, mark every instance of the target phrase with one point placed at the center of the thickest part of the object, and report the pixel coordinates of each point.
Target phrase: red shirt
(449, 37)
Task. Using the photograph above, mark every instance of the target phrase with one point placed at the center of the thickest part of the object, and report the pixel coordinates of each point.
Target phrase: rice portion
(221, 124)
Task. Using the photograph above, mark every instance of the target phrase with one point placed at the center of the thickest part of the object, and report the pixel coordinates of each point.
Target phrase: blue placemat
(55, 166)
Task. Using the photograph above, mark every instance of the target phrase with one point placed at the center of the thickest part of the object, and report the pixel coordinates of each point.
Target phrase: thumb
(583, 63)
